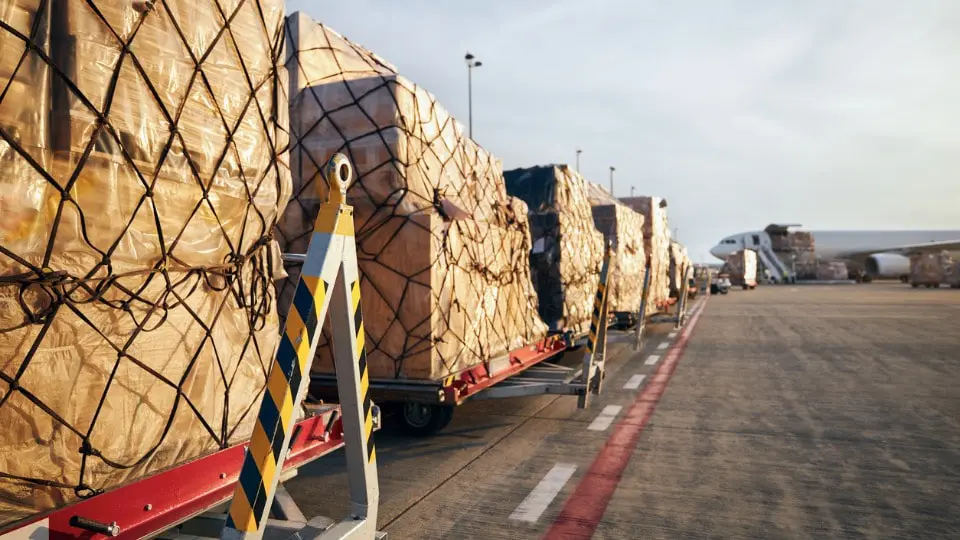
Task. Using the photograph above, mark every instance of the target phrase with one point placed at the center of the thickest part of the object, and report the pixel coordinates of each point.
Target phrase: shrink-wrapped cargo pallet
(656, 235)
(679, 263)
(929, 268)
(952, 274)
(741, 268)
(832, 271)
(623, 227)
(137, 203)
(442, 249)
(567, 247)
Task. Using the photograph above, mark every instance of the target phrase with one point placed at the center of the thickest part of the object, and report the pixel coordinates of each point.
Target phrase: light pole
(631, 190)
(472, 62)
(611, 179)
(676, 233)
(579, 151)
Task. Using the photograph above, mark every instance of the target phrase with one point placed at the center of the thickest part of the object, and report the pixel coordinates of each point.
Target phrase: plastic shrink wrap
(138, 194)
(443, 250)
(656, 234)
(567, 250)
(623, 227)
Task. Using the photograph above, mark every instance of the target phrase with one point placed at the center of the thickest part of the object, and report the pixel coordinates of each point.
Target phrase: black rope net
(568, 249)
(622, 226)
(139, 188)
(443, 251)
(656, 235)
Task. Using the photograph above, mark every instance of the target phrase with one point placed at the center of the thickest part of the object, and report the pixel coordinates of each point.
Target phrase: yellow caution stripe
(276, 409)
(362, 365)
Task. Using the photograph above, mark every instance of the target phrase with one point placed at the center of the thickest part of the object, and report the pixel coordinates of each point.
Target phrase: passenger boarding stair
(773, 263)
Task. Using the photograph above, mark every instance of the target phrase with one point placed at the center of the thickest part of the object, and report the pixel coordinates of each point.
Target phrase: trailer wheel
(745, 286)
(423, 420)
(914, 285)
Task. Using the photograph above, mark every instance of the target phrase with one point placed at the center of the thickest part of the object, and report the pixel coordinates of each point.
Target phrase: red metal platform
(479, 378)
(161, 501)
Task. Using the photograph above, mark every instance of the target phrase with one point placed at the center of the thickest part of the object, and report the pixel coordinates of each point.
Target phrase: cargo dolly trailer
(233, 493)
(426, 407)
(677, 315)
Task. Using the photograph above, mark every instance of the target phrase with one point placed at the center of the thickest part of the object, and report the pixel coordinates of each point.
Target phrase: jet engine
(887, 265)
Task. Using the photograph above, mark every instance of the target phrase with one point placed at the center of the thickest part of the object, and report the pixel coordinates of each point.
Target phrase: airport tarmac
(783, 412)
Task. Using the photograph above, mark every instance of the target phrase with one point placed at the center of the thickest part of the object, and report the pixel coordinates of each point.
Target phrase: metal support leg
(682, 302)
(332, 249)
(642, 315)
(593, 358)
(353, 383)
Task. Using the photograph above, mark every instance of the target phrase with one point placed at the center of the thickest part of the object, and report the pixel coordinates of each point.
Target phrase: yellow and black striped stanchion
(597, 338)
(329, 283)
(642, 314)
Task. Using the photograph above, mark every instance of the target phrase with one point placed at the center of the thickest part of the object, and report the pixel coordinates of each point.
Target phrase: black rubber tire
(422, 420)
(746, 287)
(914, 285)
(904, 279)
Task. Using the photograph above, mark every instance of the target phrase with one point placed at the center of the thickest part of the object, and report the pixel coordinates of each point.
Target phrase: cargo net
(568, 249)
(623, 227)
(443, 251)
(139, 188)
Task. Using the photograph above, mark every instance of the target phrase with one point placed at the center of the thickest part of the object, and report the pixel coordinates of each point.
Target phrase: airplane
(881, 254)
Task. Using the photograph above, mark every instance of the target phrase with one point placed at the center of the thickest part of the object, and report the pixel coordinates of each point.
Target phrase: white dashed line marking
(664, 345)
(605, 418)
(634, 382)
(540, 498)
(652, 359)
(672, 335)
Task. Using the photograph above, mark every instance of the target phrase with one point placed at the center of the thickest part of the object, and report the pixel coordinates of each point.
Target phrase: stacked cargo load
(930, 269)
(567, 252)
(679, 265)
(139, 188)
(656, 235)
(952, 274)
(443, 250)
(741, 268)
(623, 228)
(832, 271)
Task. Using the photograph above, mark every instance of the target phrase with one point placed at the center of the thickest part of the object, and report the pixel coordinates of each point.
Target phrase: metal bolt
(223, 475)
(148, 508)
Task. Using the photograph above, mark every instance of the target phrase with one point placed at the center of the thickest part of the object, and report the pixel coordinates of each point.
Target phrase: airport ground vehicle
(425, 407)
(721, 286)
(187, 501)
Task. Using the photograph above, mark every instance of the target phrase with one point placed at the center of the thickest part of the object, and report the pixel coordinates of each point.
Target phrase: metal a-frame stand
(642, 315)
(595, 355)
(678, 317)
(329, 283)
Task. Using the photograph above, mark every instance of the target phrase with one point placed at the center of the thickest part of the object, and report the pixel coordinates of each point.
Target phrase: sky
(833, 114)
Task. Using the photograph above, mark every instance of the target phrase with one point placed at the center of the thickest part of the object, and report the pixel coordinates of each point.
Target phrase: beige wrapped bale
(137, 318)
(679, 263)
(442, 249)
(741, 268)
(930, 269)
(952, 275)
(832, 271)
(567, 250)
(656, 234)
(623, 227)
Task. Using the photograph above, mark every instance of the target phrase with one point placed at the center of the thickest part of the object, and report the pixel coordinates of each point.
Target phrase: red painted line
(585, 508)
